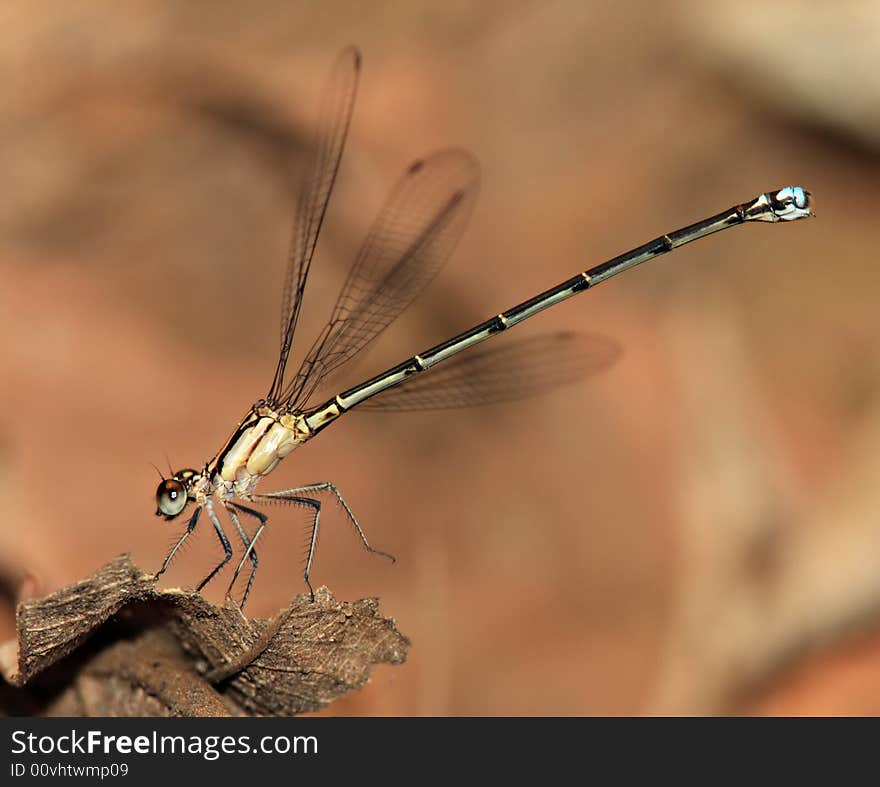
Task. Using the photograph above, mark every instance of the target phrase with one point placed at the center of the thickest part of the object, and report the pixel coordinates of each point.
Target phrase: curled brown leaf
(113, 644)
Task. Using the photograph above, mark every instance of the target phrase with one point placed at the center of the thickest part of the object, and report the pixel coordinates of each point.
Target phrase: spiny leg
(329, 487)
(315, 505)
(223, 540)
(250, 551)
(190, 526)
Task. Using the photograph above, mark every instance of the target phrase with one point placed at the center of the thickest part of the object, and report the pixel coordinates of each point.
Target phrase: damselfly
(410, 240)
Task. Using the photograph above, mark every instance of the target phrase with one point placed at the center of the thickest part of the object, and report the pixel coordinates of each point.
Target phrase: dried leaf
(113, 644)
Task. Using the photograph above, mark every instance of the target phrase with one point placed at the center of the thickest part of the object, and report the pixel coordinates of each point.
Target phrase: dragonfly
(410, 240)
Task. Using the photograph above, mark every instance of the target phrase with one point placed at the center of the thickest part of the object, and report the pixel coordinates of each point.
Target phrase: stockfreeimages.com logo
(210, 747)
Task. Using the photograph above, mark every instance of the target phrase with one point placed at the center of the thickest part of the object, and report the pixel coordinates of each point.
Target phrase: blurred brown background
(696, 531)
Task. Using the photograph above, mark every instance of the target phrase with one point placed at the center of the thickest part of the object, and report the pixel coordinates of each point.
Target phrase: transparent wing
(333, 121)
(409, 242)
(501, 373)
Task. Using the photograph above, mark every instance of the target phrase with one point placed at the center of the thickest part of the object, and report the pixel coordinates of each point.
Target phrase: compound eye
(171, 497)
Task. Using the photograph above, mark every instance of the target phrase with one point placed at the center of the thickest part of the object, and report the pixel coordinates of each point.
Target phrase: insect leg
(190, 526)
(287, 496)
(250, 551)
(329, 487)
(223, 540)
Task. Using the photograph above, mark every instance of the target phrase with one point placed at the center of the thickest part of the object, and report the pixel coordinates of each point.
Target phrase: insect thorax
(261, 440)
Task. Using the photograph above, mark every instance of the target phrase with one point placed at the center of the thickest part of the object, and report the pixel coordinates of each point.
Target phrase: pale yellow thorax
(258, 448)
